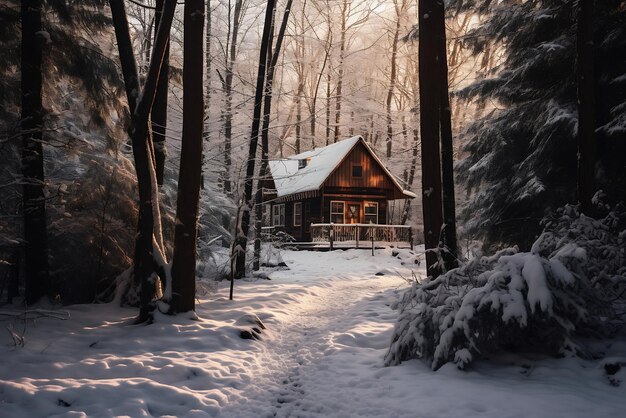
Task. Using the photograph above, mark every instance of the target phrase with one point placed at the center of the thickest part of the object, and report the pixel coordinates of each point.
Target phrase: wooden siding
(301, 233)
(374, 180)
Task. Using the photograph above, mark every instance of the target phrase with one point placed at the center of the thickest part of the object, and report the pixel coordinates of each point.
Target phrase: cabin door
(353, 213)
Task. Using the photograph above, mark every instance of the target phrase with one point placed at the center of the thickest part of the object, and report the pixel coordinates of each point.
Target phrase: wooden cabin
(343, 184)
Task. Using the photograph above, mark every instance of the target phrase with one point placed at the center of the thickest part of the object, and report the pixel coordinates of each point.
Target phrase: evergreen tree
(522, 155)
(72, 142)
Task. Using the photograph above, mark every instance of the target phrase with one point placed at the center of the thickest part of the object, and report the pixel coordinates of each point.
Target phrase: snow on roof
(320, 163)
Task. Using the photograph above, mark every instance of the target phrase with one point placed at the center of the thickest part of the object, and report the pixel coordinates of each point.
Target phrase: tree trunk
(37, 275)
(392, 78)
(186, 232)
(140, 104)
(447, 154)
(241, 239)
(272, 60)
(328, 79)
(228, 86)
(586, 107)
(342, 52)
(159, 108)
(429, 129)
(208, 61)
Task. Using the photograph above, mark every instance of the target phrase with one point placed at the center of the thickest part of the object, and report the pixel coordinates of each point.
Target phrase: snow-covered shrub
(566, 287)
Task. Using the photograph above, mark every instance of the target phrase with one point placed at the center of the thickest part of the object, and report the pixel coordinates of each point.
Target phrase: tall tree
(243, 224)
(149, 241)
(342, 54)
(429, 129)
(272, 60)
(208, 62)
(586, 105)
(34, 201)
(399, 7)
(521, 156)
(189, 179)
(228, 91)
(447, 152)
(159, 108)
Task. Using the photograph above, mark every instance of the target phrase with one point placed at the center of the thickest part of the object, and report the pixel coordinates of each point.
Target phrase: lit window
(337, 210)
(278, 215)
(371, 212)
(297, 214)
(357, 171)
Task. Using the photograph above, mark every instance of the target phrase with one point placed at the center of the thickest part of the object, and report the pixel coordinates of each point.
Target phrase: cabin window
(267, 210)
(297, 214)
(357, 171)
(278, 215)
(337, 210)
(371, 212)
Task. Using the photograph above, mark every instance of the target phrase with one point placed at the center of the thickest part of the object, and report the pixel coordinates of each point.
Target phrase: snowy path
(300, 361)
(329, 324)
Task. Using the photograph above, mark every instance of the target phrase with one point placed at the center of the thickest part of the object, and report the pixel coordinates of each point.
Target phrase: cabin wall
(374, 179)
(311, 213)
(347, 199)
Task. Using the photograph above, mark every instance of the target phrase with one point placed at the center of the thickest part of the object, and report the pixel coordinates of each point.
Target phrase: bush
(567, 287)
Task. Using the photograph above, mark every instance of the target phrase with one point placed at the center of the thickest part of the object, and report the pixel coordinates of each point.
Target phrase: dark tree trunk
(272, 59)
(37, 275)
(429, 129)
(392, 81)
(586, 107)
(208, 61)
(447, 152)
(228, 86)
(186, 232)
(159, 108)
(140, 106)
(241, 239)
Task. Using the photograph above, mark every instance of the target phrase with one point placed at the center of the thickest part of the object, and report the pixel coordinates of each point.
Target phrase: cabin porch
(335, 236)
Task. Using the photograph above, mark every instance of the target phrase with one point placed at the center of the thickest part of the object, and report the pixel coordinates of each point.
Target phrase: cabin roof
(320, 163)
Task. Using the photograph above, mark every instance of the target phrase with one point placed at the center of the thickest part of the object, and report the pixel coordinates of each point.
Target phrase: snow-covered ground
(328, 321)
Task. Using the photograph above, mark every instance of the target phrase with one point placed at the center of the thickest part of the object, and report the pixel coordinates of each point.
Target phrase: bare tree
(149, 243)
(243, 223)
(159, 108)
(272, 59)
(228, 91)
(400, 9)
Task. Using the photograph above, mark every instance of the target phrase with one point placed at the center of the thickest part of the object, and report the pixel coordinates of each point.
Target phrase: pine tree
(77, 92)
(522, 155)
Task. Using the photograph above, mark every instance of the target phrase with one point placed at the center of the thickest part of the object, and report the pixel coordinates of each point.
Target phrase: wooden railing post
(372, 245)
(357, 235)
(331, 233)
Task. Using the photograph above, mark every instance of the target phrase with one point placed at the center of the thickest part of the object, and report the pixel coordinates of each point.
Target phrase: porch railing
(361, 234)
